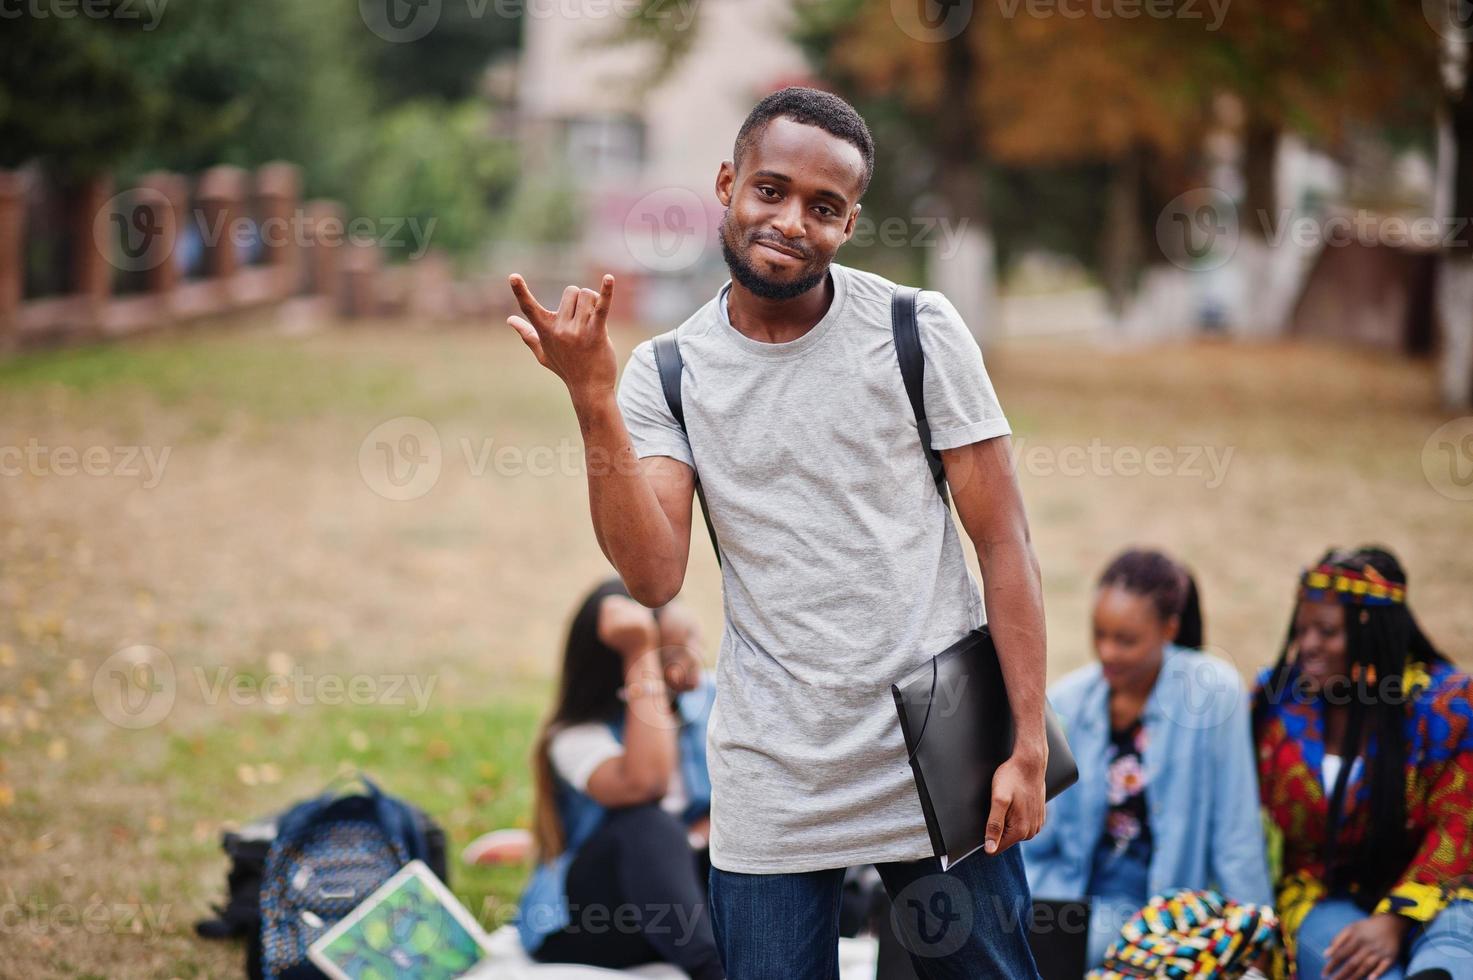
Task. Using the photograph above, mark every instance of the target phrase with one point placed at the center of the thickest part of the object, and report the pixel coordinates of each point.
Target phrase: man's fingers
(587, 302)
(1031, 831)
(997, 821)
(605, 300)
(1379, 969)
(529, 336)
(532, 309)
(568, 308)
(1017, 828)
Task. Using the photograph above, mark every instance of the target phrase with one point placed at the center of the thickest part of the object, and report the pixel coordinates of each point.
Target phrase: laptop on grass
(412, 926)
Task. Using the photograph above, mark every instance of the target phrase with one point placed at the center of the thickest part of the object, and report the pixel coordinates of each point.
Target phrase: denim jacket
(543, 909)
(1201, 784)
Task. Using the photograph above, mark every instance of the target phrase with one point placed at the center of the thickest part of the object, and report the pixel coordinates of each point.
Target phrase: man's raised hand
(573, 340)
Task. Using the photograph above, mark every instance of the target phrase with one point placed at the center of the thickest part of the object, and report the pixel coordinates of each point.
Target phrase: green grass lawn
(263, 548)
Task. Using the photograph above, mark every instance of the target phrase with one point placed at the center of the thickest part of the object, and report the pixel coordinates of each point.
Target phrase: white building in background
(646, 161)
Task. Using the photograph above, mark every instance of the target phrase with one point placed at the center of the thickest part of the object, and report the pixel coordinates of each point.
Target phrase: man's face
(789, 208)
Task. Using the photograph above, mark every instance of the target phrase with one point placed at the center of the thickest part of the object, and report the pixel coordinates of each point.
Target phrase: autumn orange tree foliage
(1031, 84)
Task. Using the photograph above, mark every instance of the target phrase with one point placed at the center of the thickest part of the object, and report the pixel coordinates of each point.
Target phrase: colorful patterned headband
(1347, 586)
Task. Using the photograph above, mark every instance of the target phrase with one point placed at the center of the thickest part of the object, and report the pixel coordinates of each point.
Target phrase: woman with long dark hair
(1167, 798)
(1365, 755)
(621, 814)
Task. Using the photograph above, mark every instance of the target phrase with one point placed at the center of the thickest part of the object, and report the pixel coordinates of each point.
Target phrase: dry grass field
(228, 505)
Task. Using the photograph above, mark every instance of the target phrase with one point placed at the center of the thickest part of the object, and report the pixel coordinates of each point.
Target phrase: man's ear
(725, 182)
(852, 223)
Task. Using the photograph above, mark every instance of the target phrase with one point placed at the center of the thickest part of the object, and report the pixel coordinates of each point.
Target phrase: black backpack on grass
(248, 849)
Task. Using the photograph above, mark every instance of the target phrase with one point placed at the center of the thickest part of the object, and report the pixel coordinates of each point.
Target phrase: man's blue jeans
(1445, 943)
(967, 922)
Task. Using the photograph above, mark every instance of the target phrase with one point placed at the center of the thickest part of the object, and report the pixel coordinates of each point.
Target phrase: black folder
(958, 728)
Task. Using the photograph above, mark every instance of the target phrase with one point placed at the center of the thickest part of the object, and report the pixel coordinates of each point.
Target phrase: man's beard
(748, 275)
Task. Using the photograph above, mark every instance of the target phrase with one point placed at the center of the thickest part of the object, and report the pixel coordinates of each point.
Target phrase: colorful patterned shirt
(1439, 796)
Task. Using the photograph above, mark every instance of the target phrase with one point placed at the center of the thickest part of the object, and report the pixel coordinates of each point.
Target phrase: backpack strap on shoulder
(913, 372)
(669, 364)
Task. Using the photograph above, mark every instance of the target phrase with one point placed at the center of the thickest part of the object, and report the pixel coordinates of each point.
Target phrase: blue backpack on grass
(329, 854)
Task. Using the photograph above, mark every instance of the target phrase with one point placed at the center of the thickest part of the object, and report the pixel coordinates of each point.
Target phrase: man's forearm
(1013, 593)
(628, 521)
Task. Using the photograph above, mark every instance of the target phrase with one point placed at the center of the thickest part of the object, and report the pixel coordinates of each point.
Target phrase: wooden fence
(89, 262)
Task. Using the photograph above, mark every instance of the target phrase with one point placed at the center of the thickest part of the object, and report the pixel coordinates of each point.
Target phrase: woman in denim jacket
(1167, 795)
(623, 796)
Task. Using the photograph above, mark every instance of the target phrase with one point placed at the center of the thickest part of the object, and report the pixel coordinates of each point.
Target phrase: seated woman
(1167, 797)
(623, 796)
(1365, 754)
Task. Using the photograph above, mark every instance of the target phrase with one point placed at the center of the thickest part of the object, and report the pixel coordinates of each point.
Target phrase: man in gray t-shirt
(842, 570)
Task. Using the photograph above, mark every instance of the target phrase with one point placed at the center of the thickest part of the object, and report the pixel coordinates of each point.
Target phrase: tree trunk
(1454, 299)
(1120, 246)
(967, 275)
(1260, 189)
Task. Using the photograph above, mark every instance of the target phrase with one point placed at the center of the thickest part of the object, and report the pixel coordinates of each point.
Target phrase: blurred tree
(1316, 67)
(1453, 23)
(212, 81)
(447, 62)
(1136, 93)
(920, 81)
(69, 97)
(438, 166)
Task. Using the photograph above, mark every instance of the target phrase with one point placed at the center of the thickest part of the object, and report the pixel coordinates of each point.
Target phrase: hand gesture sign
(573, 340)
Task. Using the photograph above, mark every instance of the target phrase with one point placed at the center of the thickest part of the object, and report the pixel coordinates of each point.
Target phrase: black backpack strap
(670, 365)
(913, 371)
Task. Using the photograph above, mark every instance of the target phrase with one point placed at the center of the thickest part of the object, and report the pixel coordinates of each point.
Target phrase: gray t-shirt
(842, 569)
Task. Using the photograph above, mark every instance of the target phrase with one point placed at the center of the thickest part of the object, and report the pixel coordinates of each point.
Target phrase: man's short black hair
(810, 107)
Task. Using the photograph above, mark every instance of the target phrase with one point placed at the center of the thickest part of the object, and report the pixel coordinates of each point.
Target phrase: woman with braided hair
(1365, 760)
